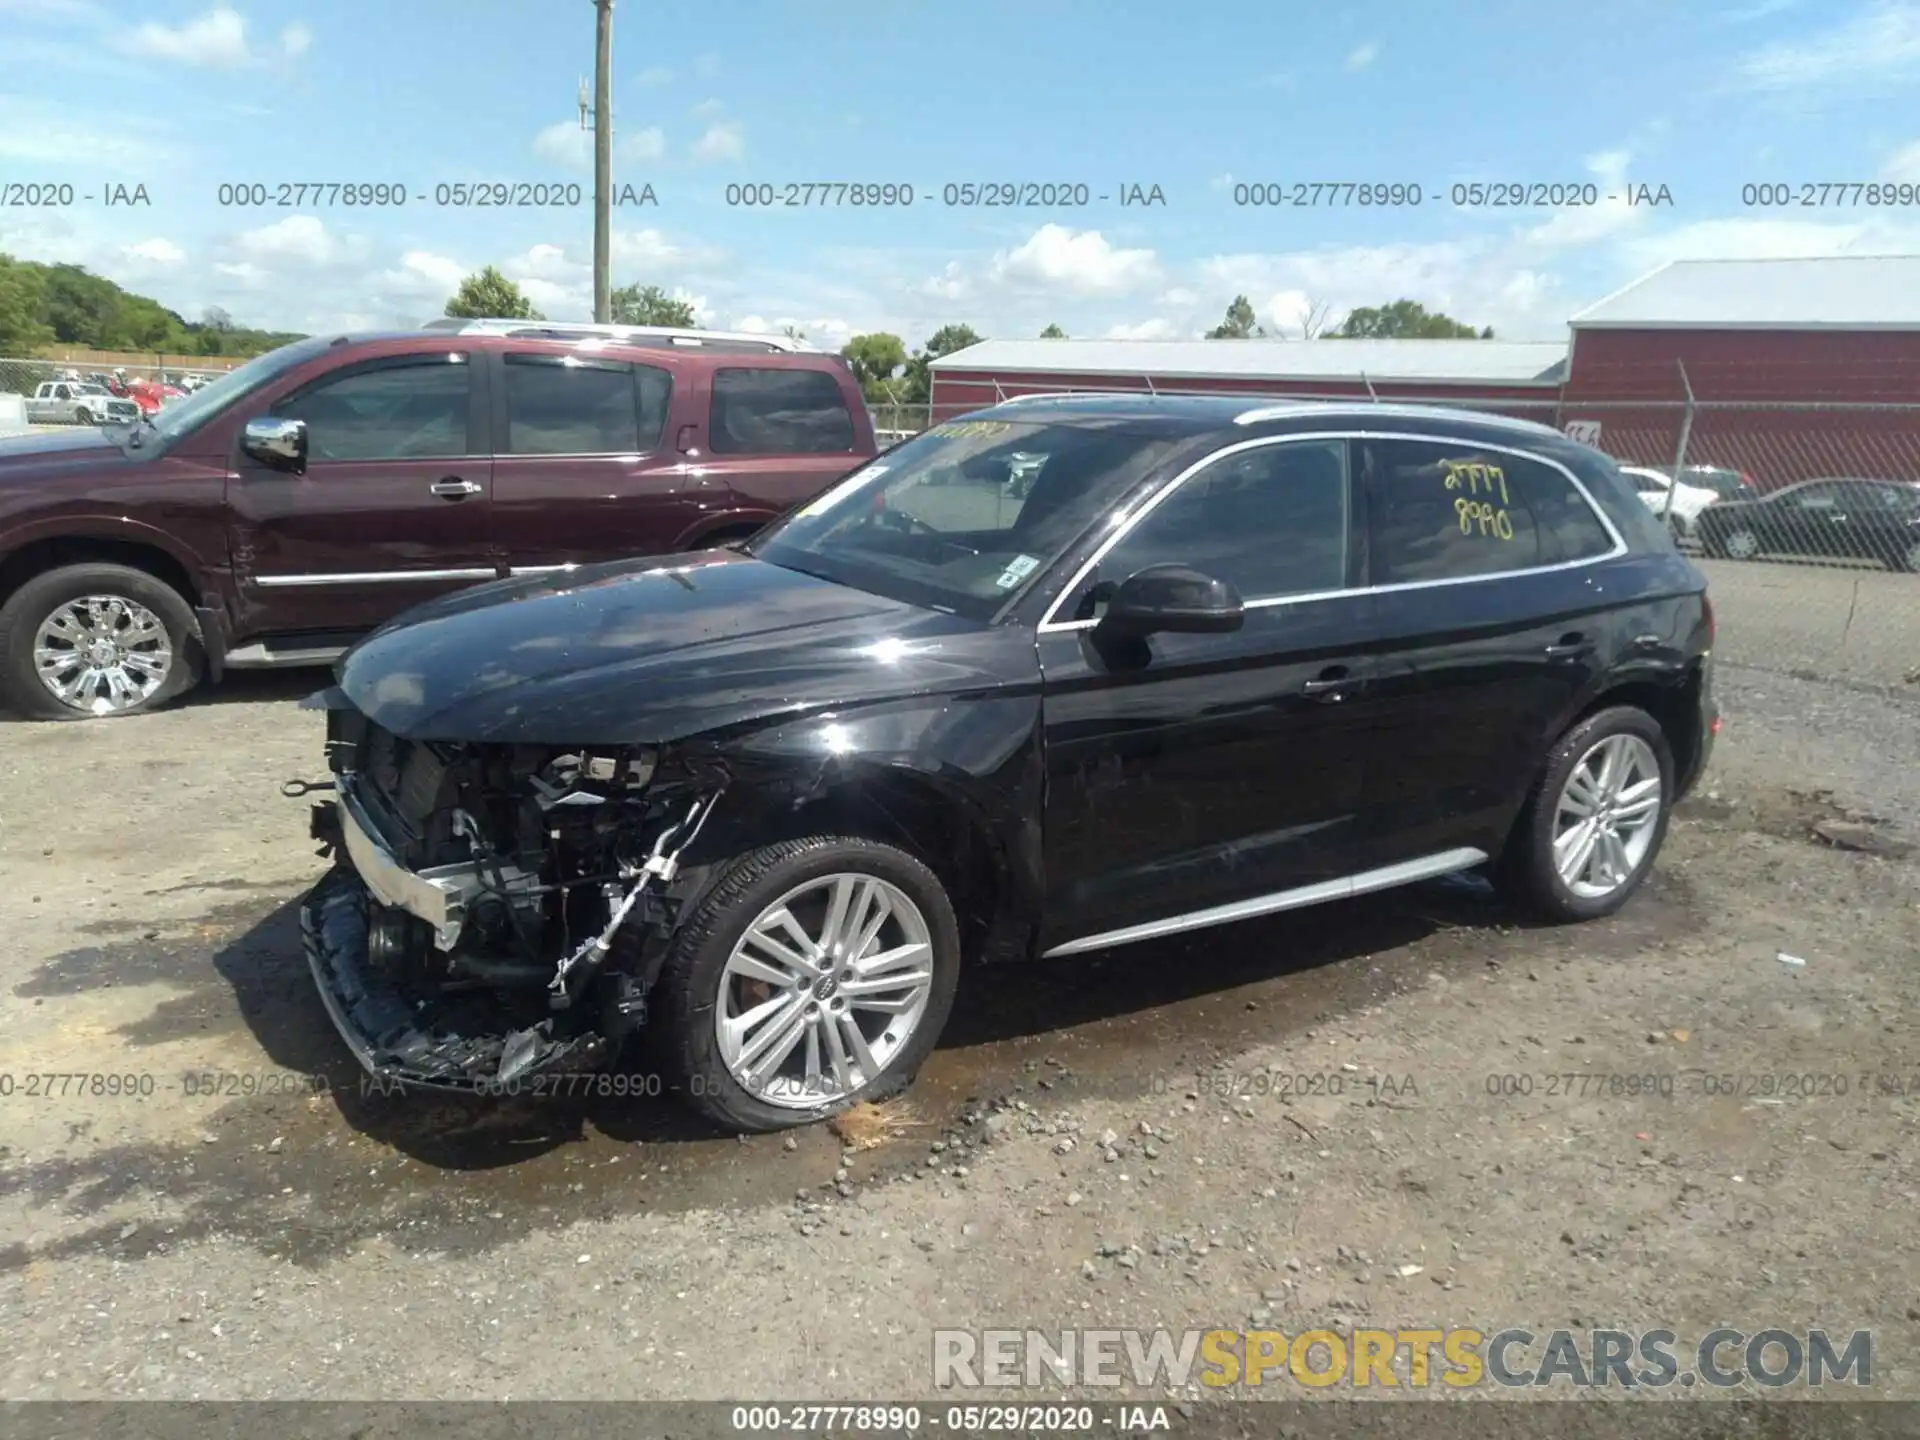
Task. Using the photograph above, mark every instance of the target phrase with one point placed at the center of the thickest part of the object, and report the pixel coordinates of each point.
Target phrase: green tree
(1053, 332)
(488, 295)
(649, 305)
(23, 304)
(917, 386)
(1405, 320)
(876, 359)
(1239, 323)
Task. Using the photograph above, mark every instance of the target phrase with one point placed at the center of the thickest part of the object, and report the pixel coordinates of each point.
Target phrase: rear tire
(1540, 870)
(43, 599)
(700, 989)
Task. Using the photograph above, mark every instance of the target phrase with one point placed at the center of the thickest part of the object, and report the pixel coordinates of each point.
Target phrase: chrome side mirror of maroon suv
(281, 444)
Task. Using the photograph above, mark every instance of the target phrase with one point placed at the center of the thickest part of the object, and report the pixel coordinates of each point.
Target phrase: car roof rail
(664, 337)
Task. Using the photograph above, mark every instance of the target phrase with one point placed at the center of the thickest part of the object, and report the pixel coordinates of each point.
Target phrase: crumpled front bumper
(399, 1040)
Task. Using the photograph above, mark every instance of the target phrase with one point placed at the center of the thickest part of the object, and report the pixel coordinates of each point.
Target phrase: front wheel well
(907, 814)
(58, 552)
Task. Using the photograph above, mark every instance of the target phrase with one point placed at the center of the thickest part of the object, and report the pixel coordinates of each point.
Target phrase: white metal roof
(1439, 362)
(1834, 292)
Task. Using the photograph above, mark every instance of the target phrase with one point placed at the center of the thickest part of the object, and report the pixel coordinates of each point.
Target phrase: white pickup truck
(76, 402)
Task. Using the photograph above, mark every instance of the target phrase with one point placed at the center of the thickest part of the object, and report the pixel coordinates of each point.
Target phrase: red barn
(1797, 368)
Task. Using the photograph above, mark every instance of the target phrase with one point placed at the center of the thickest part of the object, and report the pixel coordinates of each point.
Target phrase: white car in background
(1679, 505)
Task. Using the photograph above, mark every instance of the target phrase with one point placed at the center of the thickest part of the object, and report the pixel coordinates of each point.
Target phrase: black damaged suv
(1061, 675)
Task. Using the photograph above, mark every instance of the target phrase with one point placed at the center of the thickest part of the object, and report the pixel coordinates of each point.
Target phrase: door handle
(1329, 685)
(454, 488)
(1569, 647)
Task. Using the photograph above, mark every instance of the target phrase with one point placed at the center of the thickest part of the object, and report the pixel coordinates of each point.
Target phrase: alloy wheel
(102, 653)
(1742, 544)
(1607, 816)
(823, 990)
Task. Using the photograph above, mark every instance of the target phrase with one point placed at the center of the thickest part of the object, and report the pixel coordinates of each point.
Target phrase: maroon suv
(319, 490)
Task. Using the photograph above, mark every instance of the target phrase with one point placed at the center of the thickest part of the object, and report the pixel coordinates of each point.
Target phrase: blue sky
(1702, 97)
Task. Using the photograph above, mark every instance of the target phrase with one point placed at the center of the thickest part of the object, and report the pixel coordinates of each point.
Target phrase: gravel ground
(1099, 1142)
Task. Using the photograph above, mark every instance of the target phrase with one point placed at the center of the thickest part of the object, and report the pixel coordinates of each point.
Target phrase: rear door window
(778, 412)
(561, 405)
(1446, 510)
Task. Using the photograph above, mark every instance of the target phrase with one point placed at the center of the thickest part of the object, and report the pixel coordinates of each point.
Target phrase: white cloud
(1877, 47)
(654, 75)
(950, 284)
(159, 249)
(1158, 329)
(1363, 55)
(726, 141)
(301, 239)
(1614, 212)
(295, 40)
(647, 144)
(651, 250)
(1903, 165)
(1289, 311)
(1083, 263)
(565, 143)
(1773, 239)
(828, 333)
(441, 271)
(216, 40)
(707, 109)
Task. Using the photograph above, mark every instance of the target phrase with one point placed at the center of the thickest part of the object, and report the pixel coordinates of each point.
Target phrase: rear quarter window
(769, 411)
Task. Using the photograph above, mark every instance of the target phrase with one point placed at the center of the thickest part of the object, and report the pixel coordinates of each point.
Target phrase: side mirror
(1172, 599)
(277, 444)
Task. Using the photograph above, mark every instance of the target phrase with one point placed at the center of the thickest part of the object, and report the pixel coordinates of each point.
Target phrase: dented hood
(649, 651)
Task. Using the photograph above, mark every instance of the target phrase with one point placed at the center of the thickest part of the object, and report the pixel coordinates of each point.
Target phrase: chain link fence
(1805, 516)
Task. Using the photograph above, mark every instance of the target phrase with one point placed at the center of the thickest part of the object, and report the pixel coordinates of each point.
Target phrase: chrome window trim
(1050, 626)
(1404, 872)
(373, 577)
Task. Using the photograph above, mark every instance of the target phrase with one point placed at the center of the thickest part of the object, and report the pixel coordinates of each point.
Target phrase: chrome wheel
(102, 653)
(1742, 545)
(823, 990)
(1607, 816)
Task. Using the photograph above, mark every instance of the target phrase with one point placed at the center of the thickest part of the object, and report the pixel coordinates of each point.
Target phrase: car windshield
(965, 516)
(186, 414)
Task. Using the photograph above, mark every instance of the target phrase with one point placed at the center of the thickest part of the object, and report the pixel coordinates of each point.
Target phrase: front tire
(96, 640)
(1595, 821)
(1740, 544)
(813, 975)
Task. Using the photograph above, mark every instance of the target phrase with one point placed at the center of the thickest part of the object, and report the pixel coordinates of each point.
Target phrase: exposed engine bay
(499, 908)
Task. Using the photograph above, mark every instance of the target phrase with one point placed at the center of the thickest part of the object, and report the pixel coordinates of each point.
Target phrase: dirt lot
(294, 1244)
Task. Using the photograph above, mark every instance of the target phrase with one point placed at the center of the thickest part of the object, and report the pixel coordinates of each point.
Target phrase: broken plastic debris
(1409, 1271)
(1793, 960)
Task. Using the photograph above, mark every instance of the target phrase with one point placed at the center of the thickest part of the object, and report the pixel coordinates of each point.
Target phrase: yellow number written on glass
(1476, 478)
(1482, 517)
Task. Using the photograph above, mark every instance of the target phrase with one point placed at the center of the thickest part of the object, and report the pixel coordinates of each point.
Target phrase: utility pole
(602, 113)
